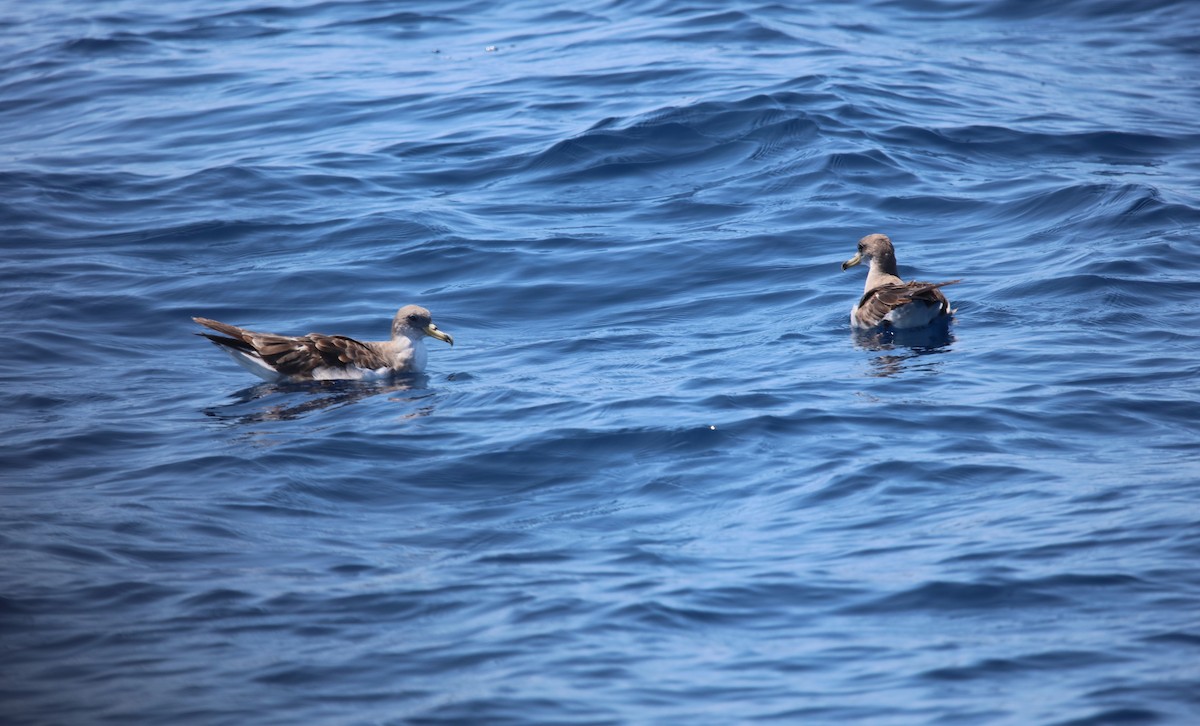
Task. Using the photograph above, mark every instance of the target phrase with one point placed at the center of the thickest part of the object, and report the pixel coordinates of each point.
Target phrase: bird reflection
(904, 349)
(300, 399)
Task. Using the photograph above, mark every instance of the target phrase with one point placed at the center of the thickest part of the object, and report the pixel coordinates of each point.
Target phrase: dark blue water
(657, 479)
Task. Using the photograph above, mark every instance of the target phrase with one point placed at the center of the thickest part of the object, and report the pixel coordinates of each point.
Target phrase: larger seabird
(887, 300)
(320, 357)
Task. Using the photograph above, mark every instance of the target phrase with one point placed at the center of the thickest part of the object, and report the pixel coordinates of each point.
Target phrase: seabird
(329, 357)
(889, 301)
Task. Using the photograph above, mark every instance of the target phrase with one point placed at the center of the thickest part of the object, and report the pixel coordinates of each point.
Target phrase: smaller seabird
(329, 357)
(889, 301)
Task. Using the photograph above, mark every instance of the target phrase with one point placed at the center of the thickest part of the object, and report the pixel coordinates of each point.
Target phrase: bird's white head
(414, 322)
(875, 249)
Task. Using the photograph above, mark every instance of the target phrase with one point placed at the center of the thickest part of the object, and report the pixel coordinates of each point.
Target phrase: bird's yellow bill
(432, 331)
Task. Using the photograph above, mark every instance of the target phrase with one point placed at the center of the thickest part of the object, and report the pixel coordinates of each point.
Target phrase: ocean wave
(656, 446)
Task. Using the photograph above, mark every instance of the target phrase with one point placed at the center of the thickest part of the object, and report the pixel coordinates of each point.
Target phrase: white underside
(351, 373)
(915, 314)
(255, 365)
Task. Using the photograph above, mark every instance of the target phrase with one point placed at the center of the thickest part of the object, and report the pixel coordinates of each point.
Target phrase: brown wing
(296, 355)
(877, 302)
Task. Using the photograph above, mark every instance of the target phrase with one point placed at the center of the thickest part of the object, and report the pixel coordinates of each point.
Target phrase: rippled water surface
(657, 479)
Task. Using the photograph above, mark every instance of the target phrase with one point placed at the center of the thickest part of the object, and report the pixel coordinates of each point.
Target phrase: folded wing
(295, 355)
(878, 302)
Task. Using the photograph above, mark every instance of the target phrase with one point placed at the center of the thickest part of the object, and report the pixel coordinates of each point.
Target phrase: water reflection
(289, 401)
(904, 349)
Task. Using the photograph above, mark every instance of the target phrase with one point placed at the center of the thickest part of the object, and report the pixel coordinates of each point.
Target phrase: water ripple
(657, 477)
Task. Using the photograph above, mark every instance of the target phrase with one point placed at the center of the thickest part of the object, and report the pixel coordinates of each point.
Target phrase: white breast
(349, 373)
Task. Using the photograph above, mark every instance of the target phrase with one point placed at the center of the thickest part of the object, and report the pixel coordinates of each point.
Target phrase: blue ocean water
(657, 479)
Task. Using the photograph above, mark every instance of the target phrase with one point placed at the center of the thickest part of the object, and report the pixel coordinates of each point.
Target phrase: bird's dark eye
(413, 318)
